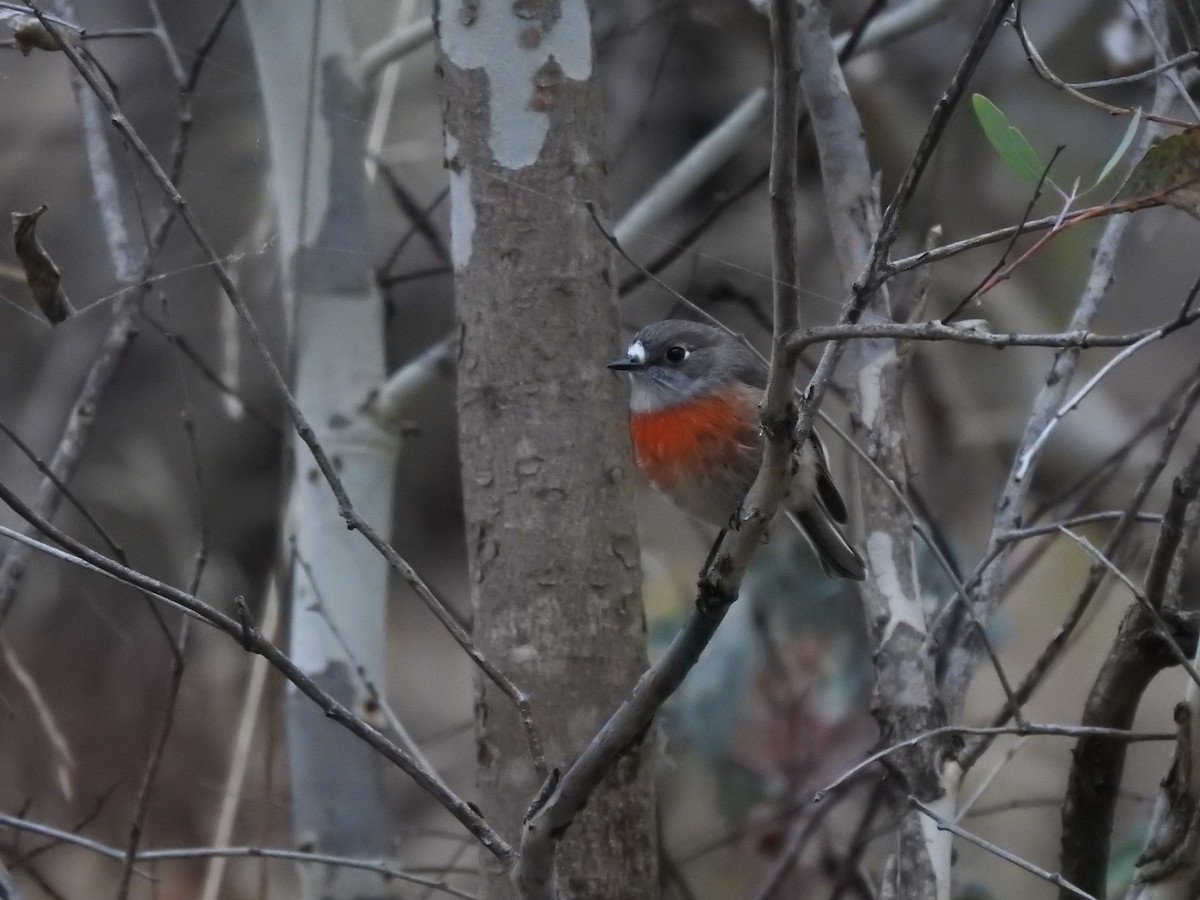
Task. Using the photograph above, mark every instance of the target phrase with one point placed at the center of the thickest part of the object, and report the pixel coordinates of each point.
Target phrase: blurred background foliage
(779, 704)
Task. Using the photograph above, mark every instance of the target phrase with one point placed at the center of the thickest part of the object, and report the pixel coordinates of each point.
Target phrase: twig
(177, 645)
(848, 869)
(1052, 877)
(63, 837)
(1015, 491)
(398, 729)
(25, 858)
(1024, 534)
(889, 226)
(1081, 490)
(114, 548)
(1154, 19)
(239, 755)
(414, 229)
(100, 162)
(210, 375)
(346, 862)
(394, 47)
(83, 556)
(1044, 72)
(987, 280)
(44, 714)
(154, 762)
(787, 858)
(946, 251)
(990, 731)
(1026, 458)
(984, 783)
(968, 333)
(1164, 630)
(415, 215)
(303, 429)
(1179, 61)
(1077, 494)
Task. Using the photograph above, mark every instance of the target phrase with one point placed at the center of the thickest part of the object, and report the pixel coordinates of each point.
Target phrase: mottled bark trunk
(546, 469)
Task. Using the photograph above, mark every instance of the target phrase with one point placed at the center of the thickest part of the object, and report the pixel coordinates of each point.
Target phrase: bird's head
(675, 361)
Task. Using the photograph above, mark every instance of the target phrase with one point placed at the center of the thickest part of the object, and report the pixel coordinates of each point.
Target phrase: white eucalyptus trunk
(338, 581)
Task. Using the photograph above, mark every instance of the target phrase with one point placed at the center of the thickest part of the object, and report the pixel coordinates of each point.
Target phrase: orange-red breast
(694, 419)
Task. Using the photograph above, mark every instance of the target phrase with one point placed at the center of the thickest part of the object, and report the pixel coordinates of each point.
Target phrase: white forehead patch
(636, 352)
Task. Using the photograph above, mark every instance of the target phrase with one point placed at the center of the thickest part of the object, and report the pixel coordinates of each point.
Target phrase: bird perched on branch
(694, 418)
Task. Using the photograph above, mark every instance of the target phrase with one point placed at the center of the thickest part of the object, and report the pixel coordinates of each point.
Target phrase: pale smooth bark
(339, 582)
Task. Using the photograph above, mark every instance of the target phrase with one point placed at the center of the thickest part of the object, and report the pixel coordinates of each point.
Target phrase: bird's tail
(838, 559)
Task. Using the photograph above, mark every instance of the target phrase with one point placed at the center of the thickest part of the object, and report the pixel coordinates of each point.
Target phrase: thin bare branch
(303, 429)
(977, 332)
(1027, 457)
(1046, 74)
(889, 226)
(252, 640)
(1052, 877)
(1027, 730)
(946, 251)
(395, 46)
(67, 837)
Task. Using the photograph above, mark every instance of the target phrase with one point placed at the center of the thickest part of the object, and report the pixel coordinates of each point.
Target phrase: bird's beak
(625, 364)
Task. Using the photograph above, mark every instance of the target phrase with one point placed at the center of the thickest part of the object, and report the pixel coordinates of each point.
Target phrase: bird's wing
(826, 489)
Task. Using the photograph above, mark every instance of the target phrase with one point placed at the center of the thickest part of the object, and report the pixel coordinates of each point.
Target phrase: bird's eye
(676, 355)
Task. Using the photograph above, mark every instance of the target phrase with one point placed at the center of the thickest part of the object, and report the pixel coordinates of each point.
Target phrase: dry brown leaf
(1170, 172)
(30, 34)
(41, 274)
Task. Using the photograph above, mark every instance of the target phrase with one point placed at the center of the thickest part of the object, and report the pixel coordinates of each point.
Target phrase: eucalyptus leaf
(1121, 149)
(1007, 139)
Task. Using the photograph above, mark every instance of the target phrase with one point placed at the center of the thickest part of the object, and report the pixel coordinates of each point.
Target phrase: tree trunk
(339, 583)
(546, 467)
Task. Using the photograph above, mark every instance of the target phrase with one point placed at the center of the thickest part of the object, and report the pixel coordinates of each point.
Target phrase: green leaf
(1008, 141)
(1121, 149)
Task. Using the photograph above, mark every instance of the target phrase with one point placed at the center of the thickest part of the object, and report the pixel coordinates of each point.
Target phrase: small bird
(694, 418)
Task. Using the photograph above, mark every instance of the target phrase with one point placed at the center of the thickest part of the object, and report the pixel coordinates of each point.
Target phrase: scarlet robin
(694, 418)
